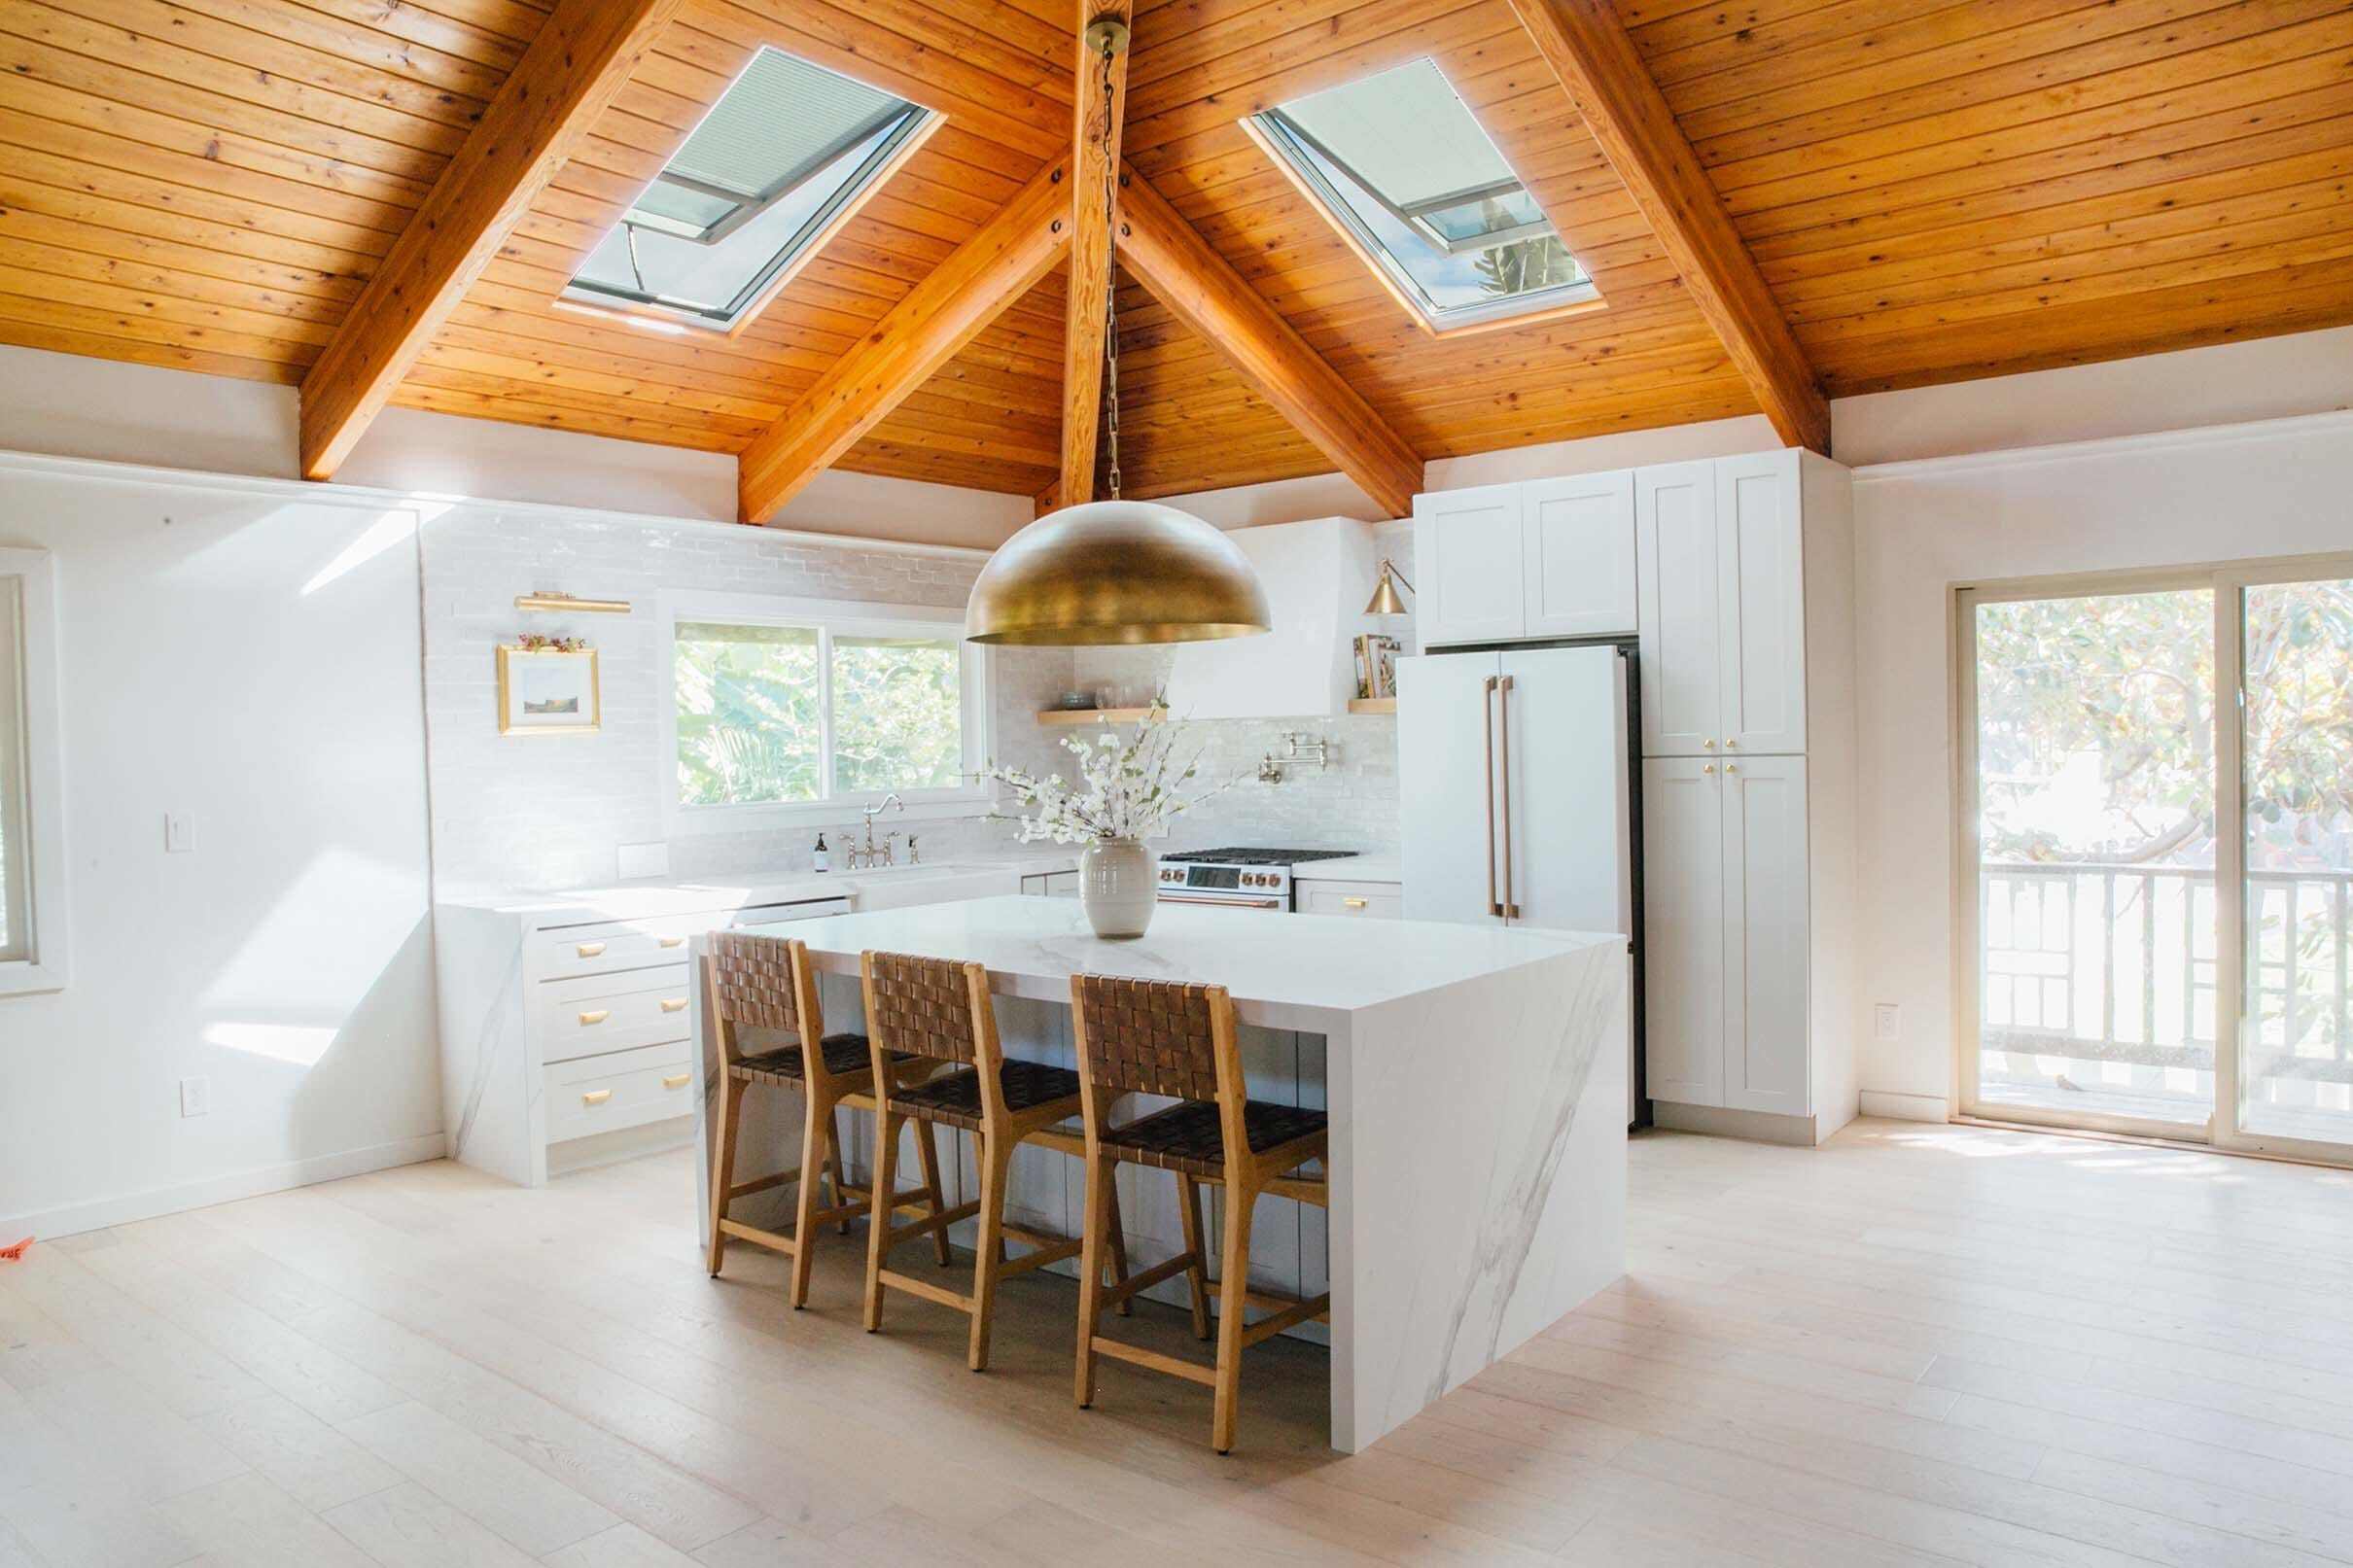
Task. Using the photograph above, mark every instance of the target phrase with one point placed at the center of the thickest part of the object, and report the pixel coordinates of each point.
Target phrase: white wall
(1925, 530)
(248, 656)
(68, 405)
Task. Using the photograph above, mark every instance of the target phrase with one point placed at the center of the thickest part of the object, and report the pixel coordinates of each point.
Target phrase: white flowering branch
(1127, 790)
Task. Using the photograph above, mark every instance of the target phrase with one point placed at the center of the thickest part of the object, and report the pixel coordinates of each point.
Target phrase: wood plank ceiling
(1932, 190)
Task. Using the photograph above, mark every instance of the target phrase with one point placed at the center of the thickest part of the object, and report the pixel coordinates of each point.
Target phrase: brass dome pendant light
(1112, 571)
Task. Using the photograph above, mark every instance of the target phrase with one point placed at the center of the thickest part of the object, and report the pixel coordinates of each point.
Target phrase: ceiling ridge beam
(585, 53)
(1197, 285)
(949, 308)
(1596, 62)
(1095, 131)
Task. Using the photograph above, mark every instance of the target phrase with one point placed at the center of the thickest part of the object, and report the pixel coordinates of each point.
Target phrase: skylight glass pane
(1399, 159)
(780, 154)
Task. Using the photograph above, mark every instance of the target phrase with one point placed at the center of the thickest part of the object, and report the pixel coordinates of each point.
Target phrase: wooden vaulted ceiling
(1929, 190)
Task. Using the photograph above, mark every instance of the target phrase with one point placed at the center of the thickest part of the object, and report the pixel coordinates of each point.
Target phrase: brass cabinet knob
(674, 1004)
(589, 949)
(596, 1097)
(1732, 767)
(1708, 745)
(676, 1080)
(1731, 745)
(1709, 768)
(597, 1017)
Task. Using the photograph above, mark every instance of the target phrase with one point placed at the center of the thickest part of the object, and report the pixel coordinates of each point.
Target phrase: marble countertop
(654, 897)
(1306, 967)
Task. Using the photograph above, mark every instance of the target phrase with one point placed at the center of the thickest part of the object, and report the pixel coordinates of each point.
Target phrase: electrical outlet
(179, 833)
(1887, 1023)
(195, 1096)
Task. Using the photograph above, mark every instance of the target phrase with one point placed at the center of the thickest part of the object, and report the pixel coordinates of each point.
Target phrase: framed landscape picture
(548, 691)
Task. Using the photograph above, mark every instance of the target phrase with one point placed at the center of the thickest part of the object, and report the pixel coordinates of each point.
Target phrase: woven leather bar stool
(1156, 1038)
(766, 983)
(939, 1010)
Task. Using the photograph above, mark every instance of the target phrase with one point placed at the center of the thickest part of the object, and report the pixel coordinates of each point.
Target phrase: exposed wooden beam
(584, 55)
(1189, 277)
(1082, 336)
(922, 332)
(1045, 500)
(1588, 50)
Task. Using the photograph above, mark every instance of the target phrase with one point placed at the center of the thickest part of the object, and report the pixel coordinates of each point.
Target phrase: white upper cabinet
(1547, 558)
(1681, 646)
(1577, 547)
(1316, 575)
(1761, 574)
(1467, 564)
(1723, 607)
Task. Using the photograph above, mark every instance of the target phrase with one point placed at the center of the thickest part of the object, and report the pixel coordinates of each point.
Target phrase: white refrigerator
(1517, 789)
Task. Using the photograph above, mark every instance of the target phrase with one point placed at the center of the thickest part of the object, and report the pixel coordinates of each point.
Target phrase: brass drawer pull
(1351, 903)
(596, 1097)
(674, 1004)
(597, 1017)
(676, 1080)
(590, 949)
(671, 941)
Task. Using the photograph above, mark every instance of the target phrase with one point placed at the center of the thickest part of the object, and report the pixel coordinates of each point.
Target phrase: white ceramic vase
(1118, 886)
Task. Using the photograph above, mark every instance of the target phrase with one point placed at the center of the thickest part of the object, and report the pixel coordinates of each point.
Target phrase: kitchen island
(1475, 1079)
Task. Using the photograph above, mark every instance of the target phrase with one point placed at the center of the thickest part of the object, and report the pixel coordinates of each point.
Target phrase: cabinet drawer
(605, 1013)
(628, 1089)
(610, 946)
(1366, 900)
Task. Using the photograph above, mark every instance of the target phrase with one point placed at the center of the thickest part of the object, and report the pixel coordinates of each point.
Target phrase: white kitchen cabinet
(1543, 559)
(1723, 563)
(1683, 929)
(1360, 900)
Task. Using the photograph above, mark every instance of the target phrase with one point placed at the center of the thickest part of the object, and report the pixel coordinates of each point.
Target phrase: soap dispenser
(821, 858)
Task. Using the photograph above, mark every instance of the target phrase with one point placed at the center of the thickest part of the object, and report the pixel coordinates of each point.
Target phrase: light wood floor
(1922, 1346)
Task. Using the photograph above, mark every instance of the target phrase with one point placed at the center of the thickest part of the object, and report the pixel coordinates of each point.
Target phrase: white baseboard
(156, 1201)
(1755, 1127)
(1906, 1107)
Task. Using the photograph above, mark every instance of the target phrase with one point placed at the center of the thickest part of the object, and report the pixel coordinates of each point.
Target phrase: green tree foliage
(1520, 265)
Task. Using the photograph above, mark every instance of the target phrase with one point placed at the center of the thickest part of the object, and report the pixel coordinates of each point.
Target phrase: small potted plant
(1127, 793)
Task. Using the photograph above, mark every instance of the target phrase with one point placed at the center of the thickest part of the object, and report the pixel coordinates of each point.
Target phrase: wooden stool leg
(833, 1165)
(1090, 1274)
(878, 1228)
(996, 1160)
(1189, 1194)
(1119, 1247)
(1233, 1297)
(816, 1125)
(926, 1149)
(722, 1162)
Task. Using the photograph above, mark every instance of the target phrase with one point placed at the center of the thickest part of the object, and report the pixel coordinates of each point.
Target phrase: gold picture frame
(549, 691)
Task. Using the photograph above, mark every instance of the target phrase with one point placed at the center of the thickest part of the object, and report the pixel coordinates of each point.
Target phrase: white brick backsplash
(549, 812)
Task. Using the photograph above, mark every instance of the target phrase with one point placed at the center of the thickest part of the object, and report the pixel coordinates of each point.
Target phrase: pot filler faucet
(869, 854)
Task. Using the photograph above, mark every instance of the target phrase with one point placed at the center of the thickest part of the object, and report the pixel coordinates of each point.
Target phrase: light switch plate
(1887, 1023)
(179, 833)
(644, 861)
(195, 1096)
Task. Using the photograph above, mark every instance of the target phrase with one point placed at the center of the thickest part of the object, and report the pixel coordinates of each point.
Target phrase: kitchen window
(1417, 187)
(798, 710)
(32, 847)
(776, 165)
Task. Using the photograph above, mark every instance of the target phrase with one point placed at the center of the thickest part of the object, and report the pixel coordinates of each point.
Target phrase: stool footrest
(1138, 1356)
(764, 1184)
(1051, 1252)
(753, 1233)
(1145, 1280)
(926, 1289)
(1290, 1316)
(930, 1222)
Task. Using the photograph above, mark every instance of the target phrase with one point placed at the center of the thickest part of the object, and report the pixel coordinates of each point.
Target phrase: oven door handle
(1223, 903)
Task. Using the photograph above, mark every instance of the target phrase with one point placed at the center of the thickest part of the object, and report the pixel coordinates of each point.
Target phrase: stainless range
(1236, 878)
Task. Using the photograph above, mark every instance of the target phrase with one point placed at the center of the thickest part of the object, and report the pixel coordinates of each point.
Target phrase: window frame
(45, 967)
(1284, 142)
(914, 127)
(828, 619)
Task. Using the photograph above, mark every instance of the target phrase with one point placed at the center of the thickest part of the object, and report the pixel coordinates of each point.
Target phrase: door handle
(1487, 715)
(1503, 703)
(597, 1017)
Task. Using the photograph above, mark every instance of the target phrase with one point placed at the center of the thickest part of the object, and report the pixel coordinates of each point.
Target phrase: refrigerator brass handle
(1503, 703)
(1486, 714)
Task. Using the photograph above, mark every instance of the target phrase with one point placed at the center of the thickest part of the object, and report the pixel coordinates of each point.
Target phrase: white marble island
(1475, 1078)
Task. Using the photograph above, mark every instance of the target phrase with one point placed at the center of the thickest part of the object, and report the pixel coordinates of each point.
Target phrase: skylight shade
(1403, 166)
(782, 153)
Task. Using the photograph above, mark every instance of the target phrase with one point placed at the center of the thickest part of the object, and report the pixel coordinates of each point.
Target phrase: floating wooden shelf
(1372, 705)
(1092, 716)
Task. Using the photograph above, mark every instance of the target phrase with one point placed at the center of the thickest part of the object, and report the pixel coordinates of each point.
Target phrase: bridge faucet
(869, 850)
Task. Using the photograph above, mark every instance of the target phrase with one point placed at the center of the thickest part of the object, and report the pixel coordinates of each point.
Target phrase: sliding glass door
(2157, 840)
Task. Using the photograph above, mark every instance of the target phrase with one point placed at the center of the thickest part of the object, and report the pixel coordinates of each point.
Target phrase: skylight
(1401, 166)
(780, 155)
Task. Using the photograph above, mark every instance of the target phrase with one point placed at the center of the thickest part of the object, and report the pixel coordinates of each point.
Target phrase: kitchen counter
(1382, 865)
(1475, 1078)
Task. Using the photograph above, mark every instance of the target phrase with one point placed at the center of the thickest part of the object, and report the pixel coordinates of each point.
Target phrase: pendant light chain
(1110, 267)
